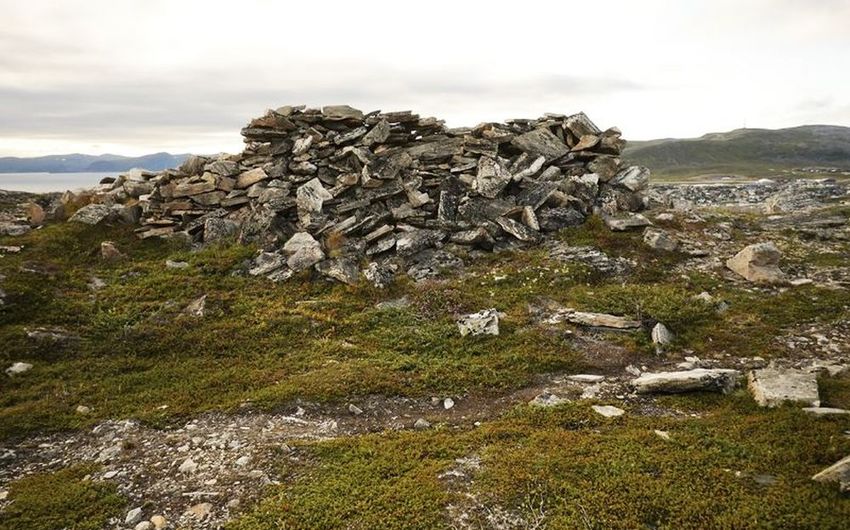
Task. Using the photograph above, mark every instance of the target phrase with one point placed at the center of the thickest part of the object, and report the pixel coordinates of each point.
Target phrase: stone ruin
(348, 193)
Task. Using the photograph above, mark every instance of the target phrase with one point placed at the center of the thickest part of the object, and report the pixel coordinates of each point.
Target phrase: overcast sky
(132, 77)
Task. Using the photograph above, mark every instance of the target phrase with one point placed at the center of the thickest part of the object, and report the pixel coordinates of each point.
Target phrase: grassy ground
(136, 355)
(65, 499)
(271, 344)
(734, 466)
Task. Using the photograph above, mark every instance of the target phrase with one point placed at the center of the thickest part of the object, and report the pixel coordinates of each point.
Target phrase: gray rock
(303, 251)
(412, 242)
(250, 177)
(169, 264)
(421, 424)
(601, 320)
(586, 378)
(18, 368)
(379, 275)
(197, 307)
(354, 409)
(492, 177)
(758, 263)
(838, 472)
(709, 380)
(217, 230)
(133, 516)
(608, 411)
(626, 222)
(311, 196)
(660, 240)
(547, 399)
(541, 142)
(485, 322)
(824, 411)
(517, 230)
(341, 112)
(773, 386)
(344, 270)
(635, 178)
(661, 336)
(92, 214)
(265, 263)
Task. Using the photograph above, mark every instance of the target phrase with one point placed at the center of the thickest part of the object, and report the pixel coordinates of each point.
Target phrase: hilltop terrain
(810, 149)
(177, 355)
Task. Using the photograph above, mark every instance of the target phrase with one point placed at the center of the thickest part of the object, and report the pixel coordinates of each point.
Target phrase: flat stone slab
(838, 472)
(709, 380)
(772, 387)
(602, 320)
(608, 411)
(825, 411)
(586, 378)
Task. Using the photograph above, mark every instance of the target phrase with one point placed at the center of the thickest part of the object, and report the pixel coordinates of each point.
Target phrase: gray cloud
(215, 101)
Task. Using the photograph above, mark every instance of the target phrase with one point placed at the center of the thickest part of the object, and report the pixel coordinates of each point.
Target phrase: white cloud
(140, 76)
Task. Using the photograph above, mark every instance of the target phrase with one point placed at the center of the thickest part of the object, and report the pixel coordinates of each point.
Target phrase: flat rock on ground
(700, 379)
(772, 387)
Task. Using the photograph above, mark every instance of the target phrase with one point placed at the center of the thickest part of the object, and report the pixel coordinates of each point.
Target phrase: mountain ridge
(751, 151)
(81, 163)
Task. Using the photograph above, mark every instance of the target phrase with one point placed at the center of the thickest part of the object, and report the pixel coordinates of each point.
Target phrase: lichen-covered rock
(303, 251)
(91, 214)
(758, 263)
(484, 322)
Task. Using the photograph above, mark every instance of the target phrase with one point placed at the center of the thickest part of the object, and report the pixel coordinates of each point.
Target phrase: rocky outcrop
(388, 187)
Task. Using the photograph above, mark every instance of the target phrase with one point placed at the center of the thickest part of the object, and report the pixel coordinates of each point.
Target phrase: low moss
(65, 499)
(729, 464)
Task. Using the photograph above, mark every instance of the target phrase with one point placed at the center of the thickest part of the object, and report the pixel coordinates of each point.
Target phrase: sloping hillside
(752, 152)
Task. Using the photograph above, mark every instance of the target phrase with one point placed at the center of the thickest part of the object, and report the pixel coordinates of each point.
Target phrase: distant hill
(77, 163)
(756, 152)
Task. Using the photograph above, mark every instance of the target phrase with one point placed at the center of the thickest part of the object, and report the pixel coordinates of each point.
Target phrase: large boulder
(758, 263)
(92, 214)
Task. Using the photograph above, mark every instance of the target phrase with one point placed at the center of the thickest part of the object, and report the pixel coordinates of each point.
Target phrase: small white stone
(18, 368)
(82, 410)
(243, 461)
(662, 434)
(188, 466)
(448, 403)
(354, 409)
(144, 525)
(422, 424)
(133, 516)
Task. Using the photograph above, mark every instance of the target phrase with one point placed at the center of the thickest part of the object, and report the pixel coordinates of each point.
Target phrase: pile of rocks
(335, 188)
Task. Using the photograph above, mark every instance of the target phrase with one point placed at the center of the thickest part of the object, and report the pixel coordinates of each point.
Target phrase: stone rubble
(342, 186)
